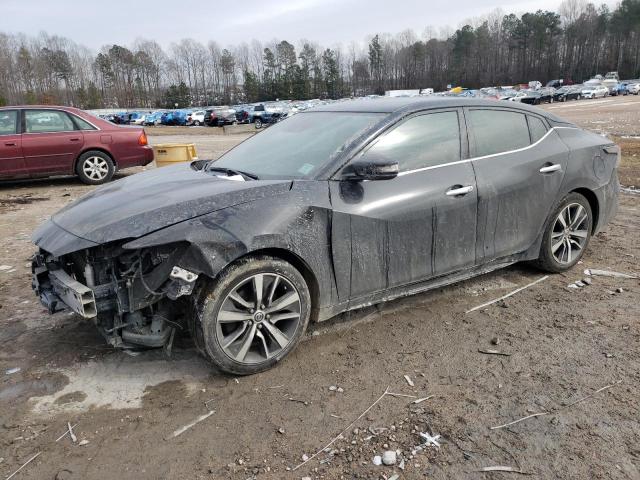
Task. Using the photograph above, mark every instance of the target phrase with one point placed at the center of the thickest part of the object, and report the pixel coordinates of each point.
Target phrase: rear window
(8, 122)
(497, 131)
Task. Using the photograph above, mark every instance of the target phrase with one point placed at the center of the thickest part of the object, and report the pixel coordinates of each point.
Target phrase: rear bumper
(608, 198)
(143, 157)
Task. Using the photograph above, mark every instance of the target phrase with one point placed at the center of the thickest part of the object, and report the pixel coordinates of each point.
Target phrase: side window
(422, 141)
(496, 131)
(83, 124)
(537, 128)
(41, 121)
(8, 122)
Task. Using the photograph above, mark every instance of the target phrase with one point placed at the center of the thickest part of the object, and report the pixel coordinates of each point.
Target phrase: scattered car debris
(409, 381)
(24, 465)
(507, 295)
(340, 435)
(493, 352)
(82, 443)
(11, 371)
(608, 273)
(181, 430)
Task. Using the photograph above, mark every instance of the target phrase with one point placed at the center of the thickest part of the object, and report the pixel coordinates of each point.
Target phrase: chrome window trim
(467, 160)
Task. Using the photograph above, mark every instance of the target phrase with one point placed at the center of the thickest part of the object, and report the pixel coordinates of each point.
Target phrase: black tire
(96, 176)
(196, 123)
(546, 260)
(258, 123)
(213, 296)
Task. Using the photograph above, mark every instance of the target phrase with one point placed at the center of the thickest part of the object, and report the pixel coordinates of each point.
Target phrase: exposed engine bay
(130, 294)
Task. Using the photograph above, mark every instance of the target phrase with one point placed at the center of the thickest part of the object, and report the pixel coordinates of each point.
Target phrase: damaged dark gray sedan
(332, 209)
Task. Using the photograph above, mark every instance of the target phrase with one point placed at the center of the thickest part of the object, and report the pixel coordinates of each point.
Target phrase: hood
(148, 201)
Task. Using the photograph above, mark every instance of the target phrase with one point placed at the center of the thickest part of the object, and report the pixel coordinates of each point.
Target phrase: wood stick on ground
(591, 395)
(494, 352)
(519, 420)
(502, 468)
(420, 400)
(342, 432)
(181, 430)
(74, 439)
(24, 465)
(508, 294)
(393, 394)
(66, 432)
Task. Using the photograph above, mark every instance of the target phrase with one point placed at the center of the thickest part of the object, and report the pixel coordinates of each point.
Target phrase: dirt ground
(560, 345)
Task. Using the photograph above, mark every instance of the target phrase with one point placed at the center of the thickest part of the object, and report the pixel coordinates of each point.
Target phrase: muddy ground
(561, 345)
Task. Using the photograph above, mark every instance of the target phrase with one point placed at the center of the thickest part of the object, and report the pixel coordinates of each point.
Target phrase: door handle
(74, 139)
(11, 144)
(551, 168)
(456, 191)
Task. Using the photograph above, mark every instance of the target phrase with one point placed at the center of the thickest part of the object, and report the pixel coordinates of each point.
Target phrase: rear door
(50, 141)
(412, 227)
(519, 164)
(11, 158)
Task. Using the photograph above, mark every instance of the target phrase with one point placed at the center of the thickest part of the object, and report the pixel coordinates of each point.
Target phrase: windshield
(298, 146)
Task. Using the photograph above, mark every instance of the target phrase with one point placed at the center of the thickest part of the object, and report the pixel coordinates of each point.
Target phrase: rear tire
(95, 167)
(566, 235)
(258, 124)
(237, 327)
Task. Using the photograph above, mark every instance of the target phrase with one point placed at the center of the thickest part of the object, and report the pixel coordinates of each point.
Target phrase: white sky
(329, 22)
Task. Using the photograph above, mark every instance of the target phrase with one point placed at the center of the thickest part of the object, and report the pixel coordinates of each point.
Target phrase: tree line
(574, 43)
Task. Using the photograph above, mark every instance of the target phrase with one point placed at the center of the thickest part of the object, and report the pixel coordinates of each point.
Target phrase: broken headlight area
(130, 294)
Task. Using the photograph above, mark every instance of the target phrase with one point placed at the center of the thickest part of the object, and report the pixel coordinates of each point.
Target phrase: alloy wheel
(258, 318)
(95, 168)
(570, 233)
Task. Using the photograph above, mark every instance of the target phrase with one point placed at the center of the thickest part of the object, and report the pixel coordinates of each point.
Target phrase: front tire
(258, 124)
(253, 316)
(95, 167)
(567, 234)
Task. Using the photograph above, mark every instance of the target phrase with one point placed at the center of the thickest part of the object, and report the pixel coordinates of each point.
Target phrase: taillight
(142, 139)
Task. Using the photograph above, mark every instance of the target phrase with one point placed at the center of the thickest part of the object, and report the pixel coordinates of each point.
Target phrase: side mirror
(371, 167)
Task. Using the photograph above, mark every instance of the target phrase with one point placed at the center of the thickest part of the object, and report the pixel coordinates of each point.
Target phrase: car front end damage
(131, 295)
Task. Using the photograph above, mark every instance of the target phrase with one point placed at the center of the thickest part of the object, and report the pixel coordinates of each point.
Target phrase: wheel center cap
(258, 316)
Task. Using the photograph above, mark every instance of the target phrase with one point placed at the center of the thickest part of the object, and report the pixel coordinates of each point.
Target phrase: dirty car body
(378, 215)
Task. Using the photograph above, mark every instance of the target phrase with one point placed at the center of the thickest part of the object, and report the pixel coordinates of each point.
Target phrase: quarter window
(537, 128)
(83, 124)
(41, 121)
(496, 131)
(8, 122)
(423, 141)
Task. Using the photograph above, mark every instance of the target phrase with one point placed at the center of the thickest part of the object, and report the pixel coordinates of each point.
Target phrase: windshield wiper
(230, 171)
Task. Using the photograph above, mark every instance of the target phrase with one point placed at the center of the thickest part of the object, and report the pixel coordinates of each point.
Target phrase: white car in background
(196, 118)
(633, 88)
(598, 91)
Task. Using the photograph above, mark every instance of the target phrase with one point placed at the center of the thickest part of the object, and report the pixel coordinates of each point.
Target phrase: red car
(38, 141)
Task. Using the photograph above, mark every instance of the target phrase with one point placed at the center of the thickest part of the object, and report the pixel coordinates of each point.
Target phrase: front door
(519, 164)
(418, 225)
(50, 142)
(11, 158)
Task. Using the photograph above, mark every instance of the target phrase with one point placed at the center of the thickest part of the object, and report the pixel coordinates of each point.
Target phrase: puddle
(118, 383)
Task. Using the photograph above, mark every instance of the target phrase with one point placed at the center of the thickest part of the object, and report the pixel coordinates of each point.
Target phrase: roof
(411, 104)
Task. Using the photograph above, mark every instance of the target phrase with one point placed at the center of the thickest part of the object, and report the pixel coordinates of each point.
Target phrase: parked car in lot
(219, 116)
(153, 119)
(42, 141)
(595, 91)
(572, 92)
(346, 205)
(633, 87)
(196, 118)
